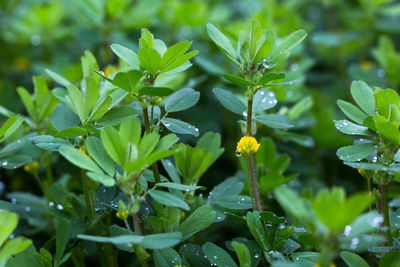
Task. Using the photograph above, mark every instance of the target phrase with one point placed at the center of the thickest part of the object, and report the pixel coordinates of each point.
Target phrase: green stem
(146, 120)
(156, 173)
(386, 218)
(88, 199)
(250, 159)
(249, 115)
(250, 166)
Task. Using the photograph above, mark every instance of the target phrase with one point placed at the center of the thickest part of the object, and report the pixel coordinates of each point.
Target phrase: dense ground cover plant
(122, 152)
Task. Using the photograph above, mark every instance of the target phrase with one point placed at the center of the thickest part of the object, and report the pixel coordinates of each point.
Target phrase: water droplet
(354, 243)
(166, 124)
(245, 113)
(237, 153)
(347, 230)
(60, 207)
(256, 256)
(4, 163)
(27, 209)
(376, 221)
(262, 92)
(264, 100)
(51, 204)
(196, 129)
(13, 200)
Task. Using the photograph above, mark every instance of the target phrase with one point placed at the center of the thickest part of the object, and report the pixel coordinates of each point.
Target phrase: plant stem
(250, 166)
(156, 173)
(386, 218)
(146, 120)
(88, 199)
(250, 159)
(249, 115)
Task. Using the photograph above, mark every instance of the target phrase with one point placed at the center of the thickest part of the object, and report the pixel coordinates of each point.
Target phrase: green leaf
(333, 210)
(10, 126)
(149, 59)
(348, 127)
(388, 130)
(70, 132)
(161, 241)
(181, 187)
(168, 199)
(99, 154)
(263, 100)
(363, 95)
(8, 222)
(62, 236)
(230, 101)
(390, 259)
(148, 144)
(384, 99)
(351, 111)
(217, 255)
(166, 258)
(126, 55)
(166, 142)
(180, 127)
(292, 40)
(221, 41)
(79, 159)
(238, 80)
(28, 101)
(243, 254)
(113, 144)
(78, 103)
(14, 246)
(14, 161)
(178, 62)
(127, 80)
(58, 78)
(181, 100)
(234, 202)
(275, 121)
(92, 93)
(355, 152)
(212, 143)
(116, 240)
(63, 117)
(175, 51)
(353, 260)
(191, 162)
(48, 142)
(155, 91)
(199, 220)
(102, 178)
(266, 78)
(117, 115)
(255, 37)
(257, 229)
(300, 107)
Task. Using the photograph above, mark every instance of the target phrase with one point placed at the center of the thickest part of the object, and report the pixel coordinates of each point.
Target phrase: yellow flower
(361, 171)
(32, 167)
(247, 145)
(109, 70)
(158, 100)
(122, 214)
(179, 265)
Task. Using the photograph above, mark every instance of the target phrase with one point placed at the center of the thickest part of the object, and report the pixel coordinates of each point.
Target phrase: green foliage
(104, 110)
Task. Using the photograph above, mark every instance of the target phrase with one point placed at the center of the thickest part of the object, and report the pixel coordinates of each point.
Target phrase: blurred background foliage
(347, 40)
